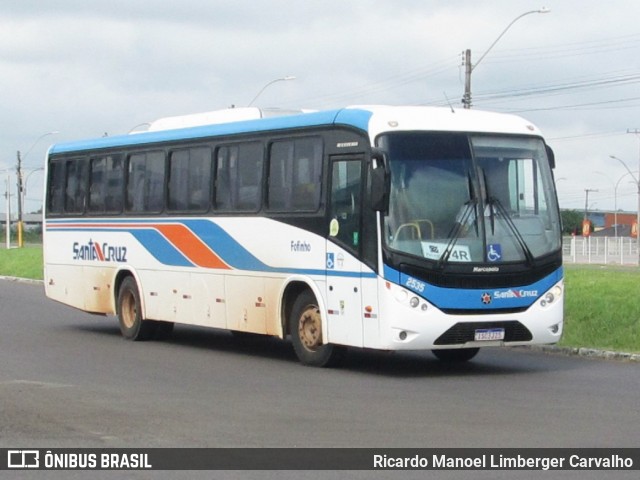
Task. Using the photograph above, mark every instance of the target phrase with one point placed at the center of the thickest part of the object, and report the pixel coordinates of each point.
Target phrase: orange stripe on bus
(191, 246)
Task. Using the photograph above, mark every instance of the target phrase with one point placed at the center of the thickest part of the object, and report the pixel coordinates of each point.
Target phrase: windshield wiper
(456, 231)
(494, 202)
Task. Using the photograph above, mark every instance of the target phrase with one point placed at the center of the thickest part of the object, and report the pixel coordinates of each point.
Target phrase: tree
(571, 221)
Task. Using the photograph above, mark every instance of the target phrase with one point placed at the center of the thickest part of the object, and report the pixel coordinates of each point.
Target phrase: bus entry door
(344, 269)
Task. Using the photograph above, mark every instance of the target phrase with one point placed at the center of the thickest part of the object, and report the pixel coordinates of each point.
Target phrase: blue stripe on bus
(350, 117)
(214, 236)
(160, 248)
(471, 299)
(223, 244)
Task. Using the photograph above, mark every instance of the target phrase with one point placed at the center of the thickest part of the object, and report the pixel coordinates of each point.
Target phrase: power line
(389, 83)
(575, 49)
(591, 47)
(582, 106)
(561, 87)
(584, 135)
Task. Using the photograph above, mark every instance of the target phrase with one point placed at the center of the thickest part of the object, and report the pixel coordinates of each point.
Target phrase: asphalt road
(67, 379)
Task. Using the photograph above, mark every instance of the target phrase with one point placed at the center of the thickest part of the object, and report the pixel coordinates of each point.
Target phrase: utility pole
(466, 99)
(8, 213)
(19, 194)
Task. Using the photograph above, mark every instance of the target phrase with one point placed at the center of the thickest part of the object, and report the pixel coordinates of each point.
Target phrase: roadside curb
(22, 280)
(585, 352)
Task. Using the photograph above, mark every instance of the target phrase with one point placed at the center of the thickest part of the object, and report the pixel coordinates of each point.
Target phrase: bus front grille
(464, 332)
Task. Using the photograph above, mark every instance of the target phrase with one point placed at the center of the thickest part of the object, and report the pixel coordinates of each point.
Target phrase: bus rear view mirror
(551, 156)
(378, 182)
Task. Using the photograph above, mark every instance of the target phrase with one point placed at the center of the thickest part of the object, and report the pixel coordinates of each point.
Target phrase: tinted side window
(145, 182)
(239, 177)
(106, 176)
(55, 200)
(295, 174)
(75, 186)
(190, 180)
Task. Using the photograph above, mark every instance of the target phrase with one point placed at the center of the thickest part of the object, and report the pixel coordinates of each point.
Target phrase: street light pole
(615, 199)
(615, 202)
(283, 79)
(469, 67)
(637, 182)
(586, 202)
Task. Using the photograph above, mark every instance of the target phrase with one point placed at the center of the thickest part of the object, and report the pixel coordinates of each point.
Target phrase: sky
(86, 68)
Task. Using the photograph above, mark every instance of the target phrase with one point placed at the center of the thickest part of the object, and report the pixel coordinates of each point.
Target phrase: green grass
(22, 262)
(602, 307)
(602, 304)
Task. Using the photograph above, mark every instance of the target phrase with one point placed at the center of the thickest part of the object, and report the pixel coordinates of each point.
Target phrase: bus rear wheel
(305, 327)
(456, 355)
(129, 310)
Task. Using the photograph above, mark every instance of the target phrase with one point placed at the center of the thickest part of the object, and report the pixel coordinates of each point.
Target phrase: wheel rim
(310, 328)
(129, 310)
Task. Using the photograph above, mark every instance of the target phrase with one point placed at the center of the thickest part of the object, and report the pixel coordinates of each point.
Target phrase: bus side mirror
(551, 156)
(379, 182)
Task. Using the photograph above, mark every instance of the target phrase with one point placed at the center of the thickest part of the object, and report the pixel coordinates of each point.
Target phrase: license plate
(484, 335)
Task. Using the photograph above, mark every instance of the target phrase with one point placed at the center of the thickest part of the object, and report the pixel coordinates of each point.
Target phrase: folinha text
(503, 462)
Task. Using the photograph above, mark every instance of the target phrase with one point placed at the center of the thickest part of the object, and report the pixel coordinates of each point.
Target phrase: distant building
(610, 224)
(32, 221)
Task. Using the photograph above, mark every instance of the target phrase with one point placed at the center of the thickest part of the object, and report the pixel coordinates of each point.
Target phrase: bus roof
(371, 119)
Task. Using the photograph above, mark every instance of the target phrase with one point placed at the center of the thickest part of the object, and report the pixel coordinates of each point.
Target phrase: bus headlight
(408, 299)
(551, 296)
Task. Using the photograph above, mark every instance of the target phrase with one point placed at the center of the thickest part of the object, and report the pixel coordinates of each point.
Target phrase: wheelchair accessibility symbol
(494, 252)
(331, 263)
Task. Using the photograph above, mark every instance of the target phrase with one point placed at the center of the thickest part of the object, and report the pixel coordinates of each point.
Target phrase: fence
(600, 250)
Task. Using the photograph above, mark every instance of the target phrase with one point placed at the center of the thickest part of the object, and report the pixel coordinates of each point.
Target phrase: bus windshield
(470, 198)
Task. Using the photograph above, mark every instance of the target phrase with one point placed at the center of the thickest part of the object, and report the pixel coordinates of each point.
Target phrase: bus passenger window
(145, 182)
(56, 187)
(75, 189)
(105, 184)
(189, 180)
(223, 167)
(249, 177)
(295, 175)
(114, 179)
(239, 177)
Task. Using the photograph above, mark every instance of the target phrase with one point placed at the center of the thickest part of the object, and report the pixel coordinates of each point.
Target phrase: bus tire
(129, 310)
(305, 327)
(455, 355)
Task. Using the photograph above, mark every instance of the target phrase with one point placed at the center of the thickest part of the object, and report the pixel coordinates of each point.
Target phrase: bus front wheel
(305, 327)
(129, 310)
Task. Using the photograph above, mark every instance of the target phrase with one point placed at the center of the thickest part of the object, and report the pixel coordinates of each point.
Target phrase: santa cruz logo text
(515, 294)
(102, 253)
(486, 297)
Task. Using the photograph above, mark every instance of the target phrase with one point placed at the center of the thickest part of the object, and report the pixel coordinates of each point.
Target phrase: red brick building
(622, 219)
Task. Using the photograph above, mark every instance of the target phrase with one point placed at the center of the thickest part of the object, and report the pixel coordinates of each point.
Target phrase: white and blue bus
(390, 228)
